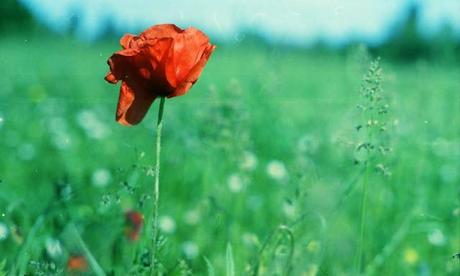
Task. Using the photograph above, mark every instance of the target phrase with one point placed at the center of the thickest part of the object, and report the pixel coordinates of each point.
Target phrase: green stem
(92, 261)
(156, 188)
(23, 256)
(359, 256)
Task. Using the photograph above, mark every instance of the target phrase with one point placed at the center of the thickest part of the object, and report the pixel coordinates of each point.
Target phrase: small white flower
(250, 239)
(60, 137)
(62, 141)
(192, 217)
(2, 121)
(249, 161)
(437, 238)
(456, 212)
(53, 247)
(3, 231)
(167, 224)
(235, 183)
(276, 170)
(101, 178)
(190, 249)
(91, 124)
(289, 210)
(26, 152)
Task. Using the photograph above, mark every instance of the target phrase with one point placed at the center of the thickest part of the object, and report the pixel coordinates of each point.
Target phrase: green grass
(294, 106)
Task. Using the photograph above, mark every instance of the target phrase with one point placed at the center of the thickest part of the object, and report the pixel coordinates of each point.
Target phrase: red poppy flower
(163, 61)
(134, 222)
(77, 263)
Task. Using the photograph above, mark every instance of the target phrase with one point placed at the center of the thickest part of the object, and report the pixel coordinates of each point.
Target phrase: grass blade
(230, 261)
(210, 267)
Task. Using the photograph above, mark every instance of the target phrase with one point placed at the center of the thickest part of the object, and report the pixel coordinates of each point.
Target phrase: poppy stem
(156, 188)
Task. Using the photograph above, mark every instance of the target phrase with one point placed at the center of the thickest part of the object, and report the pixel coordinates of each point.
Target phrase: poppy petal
(194, 74)
(133, 104)
(162, 51)
(126, 40)
(129, 64)
(188, 50)
(162, 30)
(111, 78)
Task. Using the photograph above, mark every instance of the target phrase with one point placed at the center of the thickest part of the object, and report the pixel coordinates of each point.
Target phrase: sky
(287, 21)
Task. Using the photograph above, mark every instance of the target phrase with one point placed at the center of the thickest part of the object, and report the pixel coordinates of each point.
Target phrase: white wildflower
(167, 224)
(60, 137)
(276, 170)
(192, 217)
(289, 210)
(437, 238)
(249, 161)
(101, 178)
(235, 183)
(456, 212)
(53, 247)
(190, 249)
(91, 124)
(3, 231)
(250, 239)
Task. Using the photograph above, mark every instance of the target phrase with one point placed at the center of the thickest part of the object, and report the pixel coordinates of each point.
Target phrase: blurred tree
(408, 44)
(445, 45)
(14, 15)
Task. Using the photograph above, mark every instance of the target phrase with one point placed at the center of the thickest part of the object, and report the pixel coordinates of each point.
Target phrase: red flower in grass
(163, 61)
(134, 222)
(77, 263)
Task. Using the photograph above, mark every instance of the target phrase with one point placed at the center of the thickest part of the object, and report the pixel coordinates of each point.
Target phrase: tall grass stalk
(23, 256)
(98, 271)
(156, 188)
(362, 227)
(230, 261)
(374, 109)
(281, 230)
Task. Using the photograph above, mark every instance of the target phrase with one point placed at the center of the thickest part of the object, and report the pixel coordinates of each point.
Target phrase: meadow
(264, 164)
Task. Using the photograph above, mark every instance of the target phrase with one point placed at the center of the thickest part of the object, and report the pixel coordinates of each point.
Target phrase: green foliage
(14, 16)
(267, 137)
(407, 42)
(3, 271)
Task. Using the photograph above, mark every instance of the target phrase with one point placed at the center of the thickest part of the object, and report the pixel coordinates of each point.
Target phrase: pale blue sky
(286, 21)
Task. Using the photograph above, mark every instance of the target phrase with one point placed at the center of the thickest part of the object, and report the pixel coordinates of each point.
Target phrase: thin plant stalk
(362, 226)
(156, 188)
(23, 254)
(98, 271)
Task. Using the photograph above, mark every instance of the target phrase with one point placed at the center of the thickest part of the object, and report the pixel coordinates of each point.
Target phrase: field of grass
(264, 165)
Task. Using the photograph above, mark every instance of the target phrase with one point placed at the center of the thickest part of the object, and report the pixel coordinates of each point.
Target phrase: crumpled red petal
(126, 40)
(194, 73)
(160, 31)
(188, 50)
(133, 104)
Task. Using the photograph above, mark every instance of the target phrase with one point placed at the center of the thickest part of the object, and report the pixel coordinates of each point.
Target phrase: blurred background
(305, 110)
